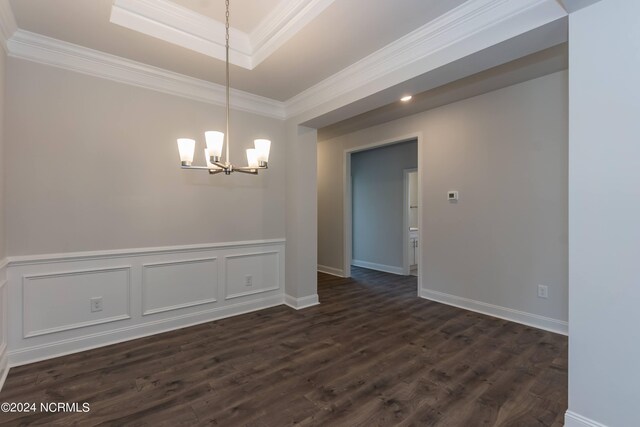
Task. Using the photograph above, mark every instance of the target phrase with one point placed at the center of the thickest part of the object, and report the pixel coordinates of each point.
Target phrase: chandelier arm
(251, 171)
(221, 165)
(195, 167)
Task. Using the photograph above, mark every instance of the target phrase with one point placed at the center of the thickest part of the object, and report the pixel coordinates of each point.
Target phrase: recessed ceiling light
(406, 98)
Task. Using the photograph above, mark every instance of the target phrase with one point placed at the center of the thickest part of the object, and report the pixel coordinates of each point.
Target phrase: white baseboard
(300, 303)
(529, 319)
(571, 419)
(114, 336)
(379, 267)
(330, 270)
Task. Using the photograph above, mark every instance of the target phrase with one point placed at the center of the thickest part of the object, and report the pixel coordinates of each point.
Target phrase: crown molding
(472, 26)
(181, 26)
(57, 53)
(8, 24)
(282, 24)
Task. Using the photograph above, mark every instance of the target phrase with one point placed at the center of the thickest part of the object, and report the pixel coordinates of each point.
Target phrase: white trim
(255, 291)
(571, 419)
(181, 26)
(67, 340)
(281, 25)
(144, 285)
(38, 332)
(331, 270)
(136, 252)
(113, 336)
(300, 303)
(458, 32)
(529, 319)
(68, 56)
(393, 269)
(8, 24)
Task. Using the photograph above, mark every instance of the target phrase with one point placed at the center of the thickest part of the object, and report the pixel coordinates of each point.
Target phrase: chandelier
(257, 157)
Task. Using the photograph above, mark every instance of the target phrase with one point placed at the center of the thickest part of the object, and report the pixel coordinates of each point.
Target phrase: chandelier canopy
(257, 157)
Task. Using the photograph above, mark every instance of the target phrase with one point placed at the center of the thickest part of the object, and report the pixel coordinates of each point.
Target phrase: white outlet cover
(96, 304)
(543, 291)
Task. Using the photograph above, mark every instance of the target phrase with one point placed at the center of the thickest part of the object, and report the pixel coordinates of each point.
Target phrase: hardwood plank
(371, 354)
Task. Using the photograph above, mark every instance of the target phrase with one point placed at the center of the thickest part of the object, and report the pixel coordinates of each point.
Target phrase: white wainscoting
(144, 292)
(261, 267)
(4, 359)
(178, 284)
(61, 301)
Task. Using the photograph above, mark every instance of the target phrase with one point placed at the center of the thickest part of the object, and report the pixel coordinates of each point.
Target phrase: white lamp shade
(252, 158)
(215, 141)
(186, 147)
(262, 149)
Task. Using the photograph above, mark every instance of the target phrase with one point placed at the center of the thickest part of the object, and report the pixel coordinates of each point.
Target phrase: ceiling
(529, 67)
(339, 35)
(247, 14)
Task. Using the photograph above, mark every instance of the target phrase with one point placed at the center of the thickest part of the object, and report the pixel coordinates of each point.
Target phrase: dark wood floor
(372, 354)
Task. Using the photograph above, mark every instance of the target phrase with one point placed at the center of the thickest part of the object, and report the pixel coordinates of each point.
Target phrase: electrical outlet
(543, 291)
(248, 280)
(96, 304)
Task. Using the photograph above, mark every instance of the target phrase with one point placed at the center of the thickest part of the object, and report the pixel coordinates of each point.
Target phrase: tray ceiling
(339, 34)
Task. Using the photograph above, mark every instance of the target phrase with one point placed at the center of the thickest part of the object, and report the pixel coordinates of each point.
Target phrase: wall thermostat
(452, 196)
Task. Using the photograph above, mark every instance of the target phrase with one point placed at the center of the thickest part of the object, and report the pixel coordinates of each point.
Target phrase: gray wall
(378, 198)
(3, 60)
(94, 165)
(604, 212)
(506, 153)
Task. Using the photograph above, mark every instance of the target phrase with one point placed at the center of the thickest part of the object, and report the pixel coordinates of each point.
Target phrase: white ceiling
(246, 14)
(522, 69)
(343, 33)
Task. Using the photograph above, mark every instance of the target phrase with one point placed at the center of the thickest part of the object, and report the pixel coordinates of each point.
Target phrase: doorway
(386, 221)
(410, 256)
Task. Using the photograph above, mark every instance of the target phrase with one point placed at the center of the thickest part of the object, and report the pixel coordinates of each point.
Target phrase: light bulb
(263, 147)
(252, 158)
(215, 141)
(186, 147)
